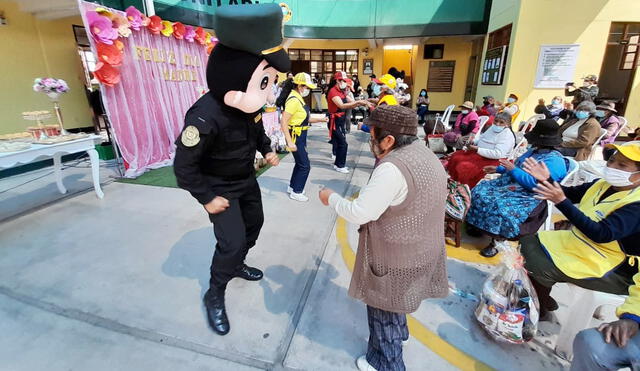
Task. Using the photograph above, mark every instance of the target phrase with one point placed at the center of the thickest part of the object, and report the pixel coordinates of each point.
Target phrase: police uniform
(216, 150)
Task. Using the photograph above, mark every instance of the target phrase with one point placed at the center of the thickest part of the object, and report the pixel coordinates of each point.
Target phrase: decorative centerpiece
(40, 131)
(53, 88)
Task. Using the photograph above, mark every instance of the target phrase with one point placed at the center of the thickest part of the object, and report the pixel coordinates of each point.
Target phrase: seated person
(594, 349)
(467, 166)
(600, 251)
(580, 132)
(511, 107)
(609, 121)
(466, 125)
(551, 111)
(505, 208)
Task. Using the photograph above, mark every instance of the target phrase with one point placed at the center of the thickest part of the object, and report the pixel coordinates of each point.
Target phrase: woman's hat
(350, 84)
(395, 119)
(340, 75)
(467, 104)
(608, 106)
(304, 79)
(513, 96)
(387, 80)
(545, 133)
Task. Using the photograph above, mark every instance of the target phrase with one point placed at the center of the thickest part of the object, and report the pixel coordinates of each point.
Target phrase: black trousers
(236, 230)
(387, 330)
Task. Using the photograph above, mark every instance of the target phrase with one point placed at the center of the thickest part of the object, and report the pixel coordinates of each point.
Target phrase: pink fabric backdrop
(147, 112)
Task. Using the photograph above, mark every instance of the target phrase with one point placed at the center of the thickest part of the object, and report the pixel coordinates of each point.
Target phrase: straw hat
(467, 104)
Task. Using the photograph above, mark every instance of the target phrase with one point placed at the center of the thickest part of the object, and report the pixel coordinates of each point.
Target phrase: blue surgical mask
(497, 129)
(600, 113)
(423, 93)
(555, 102)
(581, 115)
(376, 90)
(511, 100)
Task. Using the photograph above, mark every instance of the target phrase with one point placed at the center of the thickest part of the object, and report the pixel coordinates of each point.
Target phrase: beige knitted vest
(401, 258)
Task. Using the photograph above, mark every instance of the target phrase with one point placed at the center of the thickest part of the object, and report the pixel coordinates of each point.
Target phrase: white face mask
(465, 111)
(343, 85)
(617, 177)
(305, 92)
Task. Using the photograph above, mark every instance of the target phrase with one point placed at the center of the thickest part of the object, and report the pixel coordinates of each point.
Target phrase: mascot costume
(222, 132)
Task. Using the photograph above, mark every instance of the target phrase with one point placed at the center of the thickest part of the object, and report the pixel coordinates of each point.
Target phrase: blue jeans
(422, 112)
(339, 142)
(591, 353)
(302, 167)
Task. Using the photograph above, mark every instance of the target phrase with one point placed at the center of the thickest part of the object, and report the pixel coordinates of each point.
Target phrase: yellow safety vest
(574, 253)
(389, 99)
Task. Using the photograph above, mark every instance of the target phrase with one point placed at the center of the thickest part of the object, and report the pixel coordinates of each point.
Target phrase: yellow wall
(400, 59)
(33, 48)
(585, 22)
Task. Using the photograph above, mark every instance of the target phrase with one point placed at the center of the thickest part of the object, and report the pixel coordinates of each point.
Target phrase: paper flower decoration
(167, 28)
(122, 25)
(210, 48)
(104, 12)
(109, 54)
(155, 24)
(201, 35)
(135, 18)
(179, 30)
(101, 28)
(145, 20)
(189, 34)
(106, 74)
(207, 39)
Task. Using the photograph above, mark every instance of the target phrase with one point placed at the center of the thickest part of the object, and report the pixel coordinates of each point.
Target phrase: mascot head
(244, 65)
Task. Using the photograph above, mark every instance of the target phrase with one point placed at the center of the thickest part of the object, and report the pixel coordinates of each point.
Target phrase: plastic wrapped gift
(509, 309)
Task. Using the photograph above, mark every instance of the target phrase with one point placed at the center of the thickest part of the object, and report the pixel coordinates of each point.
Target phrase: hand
(324, 195)
(507, 164)
(324, 119)
(292, 147)
(537, 169)
(272, 159)
(472, 148)
(547, 191)
(217, 205)
(621, 330)
(490, 169)
(568, 106)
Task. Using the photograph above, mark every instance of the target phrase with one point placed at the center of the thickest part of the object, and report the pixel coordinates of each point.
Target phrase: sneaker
(343, 170)
(298, 197)
(289, 189)
(363, 365)
(333, 157)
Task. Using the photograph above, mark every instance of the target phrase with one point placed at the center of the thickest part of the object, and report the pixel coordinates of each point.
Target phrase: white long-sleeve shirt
(387, 187)
(496, 145)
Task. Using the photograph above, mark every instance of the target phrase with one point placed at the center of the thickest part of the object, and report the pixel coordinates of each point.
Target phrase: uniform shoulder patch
(190, 136)
(258, 118)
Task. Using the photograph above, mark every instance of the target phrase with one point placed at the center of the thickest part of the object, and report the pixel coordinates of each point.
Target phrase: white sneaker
(289, 189)
(333, 157)
(298, 197)
(363, 365)
(343, 170)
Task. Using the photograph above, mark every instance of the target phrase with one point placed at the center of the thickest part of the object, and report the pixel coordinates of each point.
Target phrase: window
(500, 37)
(627, 34)
(327, 62)
(433, 51)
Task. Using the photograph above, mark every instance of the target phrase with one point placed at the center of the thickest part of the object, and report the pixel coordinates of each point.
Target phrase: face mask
(376, 90)
(555, 102)
(465, 111)
(600, 113)
(581, 115)
(343, 85)
(423, 94)
(617, 177)
(511, 100)
(497, 129)
(305, 92)
(586, 84)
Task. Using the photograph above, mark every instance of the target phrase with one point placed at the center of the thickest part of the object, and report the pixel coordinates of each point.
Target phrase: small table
(55, 151)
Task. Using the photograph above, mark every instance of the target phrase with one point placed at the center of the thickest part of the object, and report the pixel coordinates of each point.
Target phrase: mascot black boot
(222, 132)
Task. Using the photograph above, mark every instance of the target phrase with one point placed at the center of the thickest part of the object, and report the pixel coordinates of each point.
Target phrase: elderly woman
(587, 92)
(600, 251)
(580, 132)
(606, 113)
(505, 208)
(467, 166)
(466, 125)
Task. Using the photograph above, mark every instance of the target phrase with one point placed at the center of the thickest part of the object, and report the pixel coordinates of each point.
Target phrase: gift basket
(509, 309)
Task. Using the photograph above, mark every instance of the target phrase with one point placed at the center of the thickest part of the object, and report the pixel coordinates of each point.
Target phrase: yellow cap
(630, 150)
(304, 79)
(387, 80)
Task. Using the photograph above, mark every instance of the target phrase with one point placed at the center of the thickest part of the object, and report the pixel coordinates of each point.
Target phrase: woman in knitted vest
(401, 256)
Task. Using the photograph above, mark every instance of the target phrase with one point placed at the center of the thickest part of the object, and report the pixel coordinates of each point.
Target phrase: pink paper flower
(135, 18)
(189, 34)
(101, 28)
(122, 25)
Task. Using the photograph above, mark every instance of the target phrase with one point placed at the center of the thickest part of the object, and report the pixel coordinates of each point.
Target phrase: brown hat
(609, 106)
(395, 119)
(467, 104)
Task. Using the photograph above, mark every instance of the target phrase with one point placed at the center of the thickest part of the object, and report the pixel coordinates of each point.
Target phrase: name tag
(258, 118)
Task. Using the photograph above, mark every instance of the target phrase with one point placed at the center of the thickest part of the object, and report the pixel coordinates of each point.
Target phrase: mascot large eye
(265, 82)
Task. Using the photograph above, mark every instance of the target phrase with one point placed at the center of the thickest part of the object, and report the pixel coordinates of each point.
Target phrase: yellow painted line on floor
(471, 254)
(419, 331)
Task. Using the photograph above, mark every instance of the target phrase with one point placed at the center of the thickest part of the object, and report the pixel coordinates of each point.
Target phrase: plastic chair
(595, 144)
(573, 169)
(623, 123)
(482, 120)
(584, 303)
(446, 116)
(531, 123)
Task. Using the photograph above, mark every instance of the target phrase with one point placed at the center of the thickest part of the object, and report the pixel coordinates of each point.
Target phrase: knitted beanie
(395, 119)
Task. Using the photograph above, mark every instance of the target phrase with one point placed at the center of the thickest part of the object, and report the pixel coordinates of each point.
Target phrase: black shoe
(216, 312)
(489, 251)
(249, 273)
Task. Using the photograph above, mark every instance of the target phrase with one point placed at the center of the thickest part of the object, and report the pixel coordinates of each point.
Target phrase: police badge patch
(190, 136)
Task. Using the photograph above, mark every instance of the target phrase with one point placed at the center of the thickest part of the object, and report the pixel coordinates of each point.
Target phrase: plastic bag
(509, 308)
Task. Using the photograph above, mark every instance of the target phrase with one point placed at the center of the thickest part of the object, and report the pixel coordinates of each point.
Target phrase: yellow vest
(574, 253)
(390, 100)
